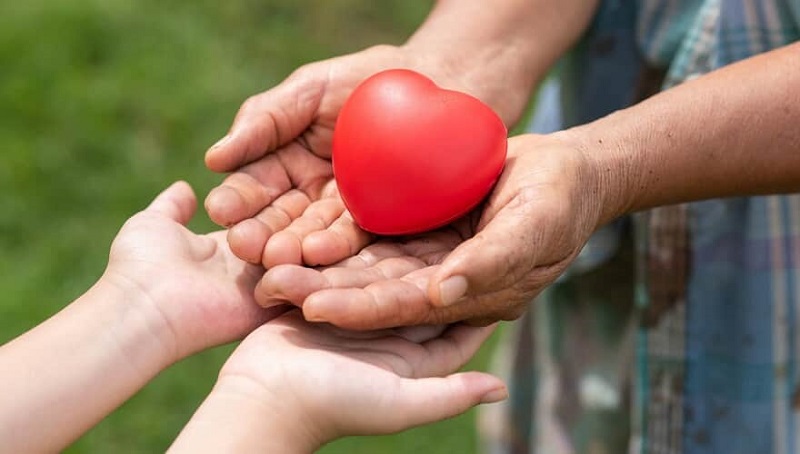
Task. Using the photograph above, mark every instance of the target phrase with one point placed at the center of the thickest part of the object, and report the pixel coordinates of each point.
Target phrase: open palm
(483, 268)
(281, 200)
(279, 148)
(208, 289)
(346, 383)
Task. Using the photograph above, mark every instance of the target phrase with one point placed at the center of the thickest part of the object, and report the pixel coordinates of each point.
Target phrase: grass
(105, 102)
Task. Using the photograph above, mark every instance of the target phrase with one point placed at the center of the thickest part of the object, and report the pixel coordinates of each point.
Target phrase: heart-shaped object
(409, 156)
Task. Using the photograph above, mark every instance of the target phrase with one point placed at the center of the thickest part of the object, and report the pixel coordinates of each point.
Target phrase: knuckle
(303, 73)
(432, 317)
(249, 105)
(382, 48)
(527, 194)
(238, 179)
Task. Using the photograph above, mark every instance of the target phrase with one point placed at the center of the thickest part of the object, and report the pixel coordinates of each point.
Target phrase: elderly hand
(279, 148)
(483, 268)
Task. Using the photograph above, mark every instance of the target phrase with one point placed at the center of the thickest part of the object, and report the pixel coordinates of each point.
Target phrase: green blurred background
(103, 103)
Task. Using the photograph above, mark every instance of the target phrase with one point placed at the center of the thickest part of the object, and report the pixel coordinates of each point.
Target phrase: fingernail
(312, 316)
(452, 289)
(495, 395)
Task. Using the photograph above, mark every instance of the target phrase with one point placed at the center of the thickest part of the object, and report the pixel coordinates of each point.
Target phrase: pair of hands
(194, 293)
(284, 212)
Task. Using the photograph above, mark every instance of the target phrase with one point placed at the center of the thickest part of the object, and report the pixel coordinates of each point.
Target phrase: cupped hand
(483, 268)
(328, 382)
(190, 288)
(281, 200)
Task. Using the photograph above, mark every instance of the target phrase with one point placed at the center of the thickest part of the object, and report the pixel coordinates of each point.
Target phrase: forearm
(500, 50)
(733, 132)
(65, 375)
(256, 428)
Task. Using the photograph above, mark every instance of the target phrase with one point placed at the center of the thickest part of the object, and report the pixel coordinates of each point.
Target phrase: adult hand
(557, 189)
(483, 268)
(281, 202)
(279, 147)
(190, 288)
(294, 386)
(166, 293)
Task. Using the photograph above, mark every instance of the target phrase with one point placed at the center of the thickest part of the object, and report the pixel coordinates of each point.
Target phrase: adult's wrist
(483, 53)
(609, 169)
(500, 52)
(487, 73)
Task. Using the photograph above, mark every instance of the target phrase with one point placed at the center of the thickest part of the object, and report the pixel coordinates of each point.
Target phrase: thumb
(177, 202)
(427, 400)
(269, 120)
(491, 260)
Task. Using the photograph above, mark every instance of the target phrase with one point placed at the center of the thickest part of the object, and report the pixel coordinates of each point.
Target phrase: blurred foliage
(105, 102)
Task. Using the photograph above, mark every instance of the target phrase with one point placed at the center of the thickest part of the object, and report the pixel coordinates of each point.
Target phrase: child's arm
(292, 386)
(62, 377)
(165, 294)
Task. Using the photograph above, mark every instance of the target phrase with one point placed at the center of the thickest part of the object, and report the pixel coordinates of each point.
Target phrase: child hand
(193, 292)
(295, 385)
(166, 293)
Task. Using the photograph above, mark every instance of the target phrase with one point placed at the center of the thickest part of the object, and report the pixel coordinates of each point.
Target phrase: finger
(427, 250)
(493, 259)
(246, 275)
(386, 303)
(289, 283)
(285, 246)
(177, 202)
(248, 239)
(269, 120)
(422, 401)
(452, 350)
(391, 303)
(388, 268)
(246, 192)
(294, 284)
(372, 255)
(433, 246)
(342, 239)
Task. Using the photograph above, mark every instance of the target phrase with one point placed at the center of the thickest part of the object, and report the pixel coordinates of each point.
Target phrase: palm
(538, 215)
(209, 290)
(283, 192)
(402, 267)
(371, 373)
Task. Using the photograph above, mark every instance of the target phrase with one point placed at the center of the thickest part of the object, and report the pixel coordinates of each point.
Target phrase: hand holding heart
(285, 208)
(281, 202)
(484, 267)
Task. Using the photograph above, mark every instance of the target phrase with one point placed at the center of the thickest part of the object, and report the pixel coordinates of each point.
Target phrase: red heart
(409, 156)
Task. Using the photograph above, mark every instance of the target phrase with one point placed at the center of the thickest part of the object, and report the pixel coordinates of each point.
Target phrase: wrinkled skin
(532, 226)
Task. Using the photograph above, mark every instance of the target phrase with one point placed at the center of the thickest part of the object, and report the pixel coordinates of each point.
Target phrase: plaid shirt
(677, 330)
